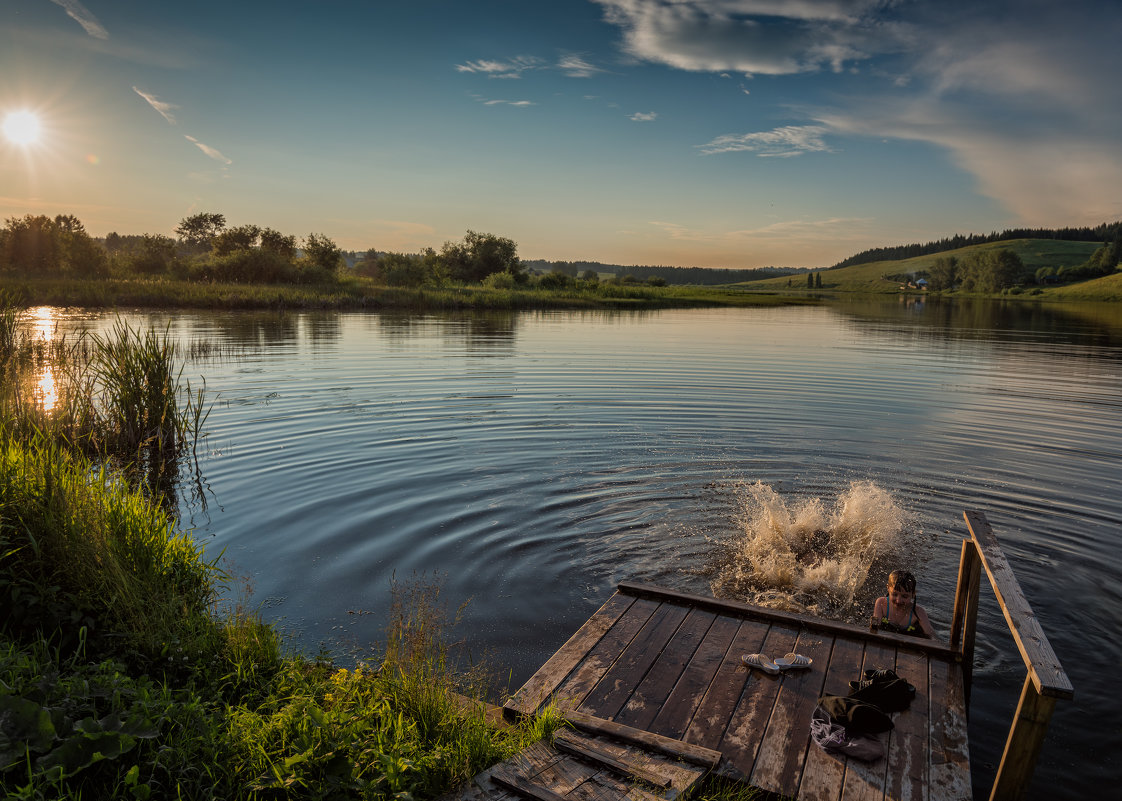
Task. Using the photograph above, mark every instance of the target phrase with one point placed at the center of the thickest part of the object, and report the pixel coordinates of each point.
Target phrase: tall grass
(119, 397)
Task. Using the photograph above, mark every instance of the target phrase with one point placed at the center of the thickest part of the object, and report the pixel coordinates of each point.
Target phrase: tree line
(698, 276)
(207, 249)
(995, 271)
(1106, 232)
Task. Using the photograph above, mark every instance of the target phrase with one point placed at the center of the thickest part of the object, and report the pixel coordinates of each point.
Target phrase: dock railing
(1045, 681)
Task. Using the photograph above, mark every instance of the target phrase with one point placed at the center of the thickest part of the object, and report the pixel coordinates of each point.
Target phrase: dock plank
(745, 730)
(708, 724)
(824, 773)
(949, 773)
(782, 751)
(603, 655)
(678, 710)
(616, 687)
(865, 781)
(549, 676)
(908, 754)
(652, 692)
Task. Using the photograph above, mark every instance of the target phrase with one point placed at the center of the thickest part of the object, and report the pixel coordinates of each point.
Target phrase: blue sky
(719, 133)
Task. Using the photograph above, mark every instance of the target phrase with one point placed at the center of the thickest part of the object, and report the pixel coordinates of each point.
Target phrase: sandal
(760, 662)
(793, 660)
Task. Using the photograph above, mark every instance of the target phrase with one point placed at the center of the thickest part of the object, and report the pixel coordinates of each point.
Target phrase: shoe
(793, 660)
(760, 662)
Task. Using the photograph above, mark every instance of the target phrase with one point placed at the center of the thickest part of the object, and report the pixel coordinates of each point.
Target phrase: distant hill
(887, 275)
(1107, 232)
(672, 275)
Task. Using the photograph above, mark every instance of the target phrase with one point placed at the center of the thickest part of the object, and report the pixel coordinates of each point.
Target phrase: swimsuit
(911, 627)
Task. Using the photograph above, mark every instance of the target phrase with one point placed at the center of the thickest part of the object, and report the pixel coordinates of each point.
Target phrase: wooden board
(545, 681)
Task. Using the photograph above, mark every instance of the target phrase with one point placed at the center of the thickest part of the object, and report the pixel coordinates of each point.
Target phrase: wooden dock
(658, 672)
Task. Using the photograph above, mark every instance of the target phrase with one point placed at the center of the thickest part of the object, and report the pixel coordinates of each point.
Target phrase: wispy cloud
(767, 37)
(159, 105)
(575, 66)
(80, 14)
(210, 151)
(644, 116)
(511, 68)
(785, 142)
(500, 102)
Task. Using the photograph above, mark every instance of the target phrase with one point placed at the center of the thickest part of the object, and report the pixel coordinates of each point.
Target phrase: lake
(533, 460)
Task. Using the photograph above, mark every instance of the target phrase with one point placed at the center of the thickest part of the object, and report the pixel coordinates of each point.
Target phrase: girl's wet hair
(903, 580)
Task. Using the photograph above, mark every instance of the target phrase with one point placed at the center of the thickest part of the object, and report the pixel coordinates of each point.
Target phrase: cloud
(497, 102)
(766, 37)
(80, 14)
(644, 116)
(210, 151)
(159, 105)
(512, 68)
(828, 230)
(575, 66)
(785, 142)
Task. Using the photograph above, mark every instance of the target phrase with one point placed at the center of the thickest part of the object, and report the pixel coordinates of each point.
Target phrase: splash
(799, 554)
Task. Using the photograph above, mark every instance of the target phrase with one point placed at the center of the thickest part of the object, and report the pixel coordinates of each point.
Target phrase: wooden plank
(865, 781)
(745, 730)
(677, 749)
(949, 773)
(597, 754)
(677, 774)
(549, 676)
(648, 698)
(964, 621)
(782, 752)
(1044, 667)
(708, 724)
(824, 773)
(603, 655)
(525, 787)
(610, 694)
(1026, 737)
(674, 718)
(791, 619)
(908, 746)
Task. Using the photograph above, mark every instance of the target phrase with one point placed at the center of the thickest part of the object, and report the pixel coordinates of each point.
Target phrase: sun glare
(21, 127)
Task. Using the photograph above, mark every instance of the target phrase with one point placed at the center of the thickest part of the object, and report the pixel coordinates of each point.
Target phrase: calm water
(537, 459)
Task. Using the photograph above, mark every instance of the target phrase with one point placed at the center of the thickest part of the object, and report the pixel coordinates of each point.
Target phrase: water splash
(800, 554)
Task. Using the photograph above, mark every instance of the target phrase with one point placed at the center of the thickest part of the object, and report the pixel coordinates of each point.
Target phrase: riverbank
(356, 292)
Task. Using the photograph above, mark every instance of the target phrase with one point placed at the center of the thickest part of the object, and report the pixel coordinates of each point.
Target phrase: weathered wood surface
(579, 767)
(666, 668)
(1043, 665)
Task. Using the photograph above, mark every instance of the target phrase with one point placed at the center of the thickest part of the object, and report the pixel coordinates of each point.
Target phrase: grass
(355, 292)
(869, 278)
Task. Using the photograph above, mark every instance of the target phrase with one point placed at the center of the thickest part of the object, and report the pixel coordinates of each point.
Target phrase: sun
(21, 127)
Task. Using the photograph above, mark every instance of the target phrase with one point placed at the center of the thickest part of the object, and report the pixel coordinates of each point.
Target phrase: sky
(713, 133)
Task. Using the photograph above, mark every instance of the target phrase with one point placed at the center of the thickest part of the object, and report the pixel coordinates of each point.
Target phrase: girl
(898, 610)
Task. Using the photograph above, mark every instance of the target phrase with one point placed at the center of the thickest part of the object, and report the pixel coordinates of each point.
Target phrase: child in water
(898, 610)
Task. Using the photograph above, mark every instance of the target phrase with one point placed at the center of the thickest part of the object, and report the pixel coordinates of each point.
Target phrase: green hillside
(1035, 253)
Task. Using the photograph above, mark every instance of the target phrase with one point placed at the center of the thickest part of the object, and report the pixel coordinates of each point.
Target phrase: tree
(943, 274)
(479, 255)
(199, 230)
(243, 237)
(323, 253)
(277, 243)
(31, 244)
(591, 276)
(810, 280)
(818, 280)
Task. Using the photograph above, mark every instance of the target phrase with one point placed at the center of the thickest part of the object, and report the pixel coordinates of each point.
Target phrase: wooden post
(1026, 737)
(964, 621)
